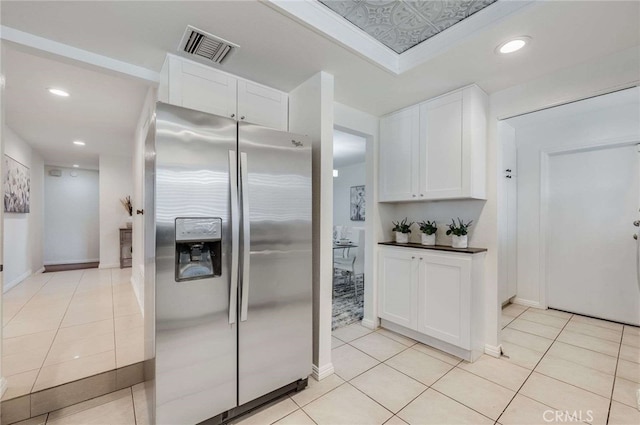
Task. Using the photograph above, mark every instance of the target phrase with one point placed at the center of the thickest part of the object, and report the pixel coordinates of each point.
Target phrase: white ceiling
(282, 53)
(348, 149)
(102, 110)
(628, 98)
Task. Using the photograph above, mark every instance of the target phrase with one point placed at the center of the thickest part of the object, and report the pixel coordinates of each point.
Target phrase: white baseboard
(40, 270)
(109, 266)
(10, 284)
(492, 350)
(322, 372)
(78, 261)
(528, 303)
(3, 386)
(371, 324)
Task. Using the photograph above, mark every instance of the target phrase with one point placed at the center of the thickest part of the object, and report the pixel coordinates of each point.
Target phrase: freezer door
(196, 346)
(275, 330)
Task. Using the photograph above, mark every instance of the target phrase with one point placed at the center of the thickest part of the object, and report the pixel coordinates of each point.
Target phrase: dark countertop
(435, 247)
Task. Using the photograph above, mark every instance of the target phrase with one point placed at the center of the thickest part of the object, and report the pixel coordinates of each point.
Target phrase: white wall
(138, 255)
(442, 212)
(601, 126)
(36, 217)
(351, 175)
(71, 216)
(600, 75)
(116, 182)
(23, 232)
(311, 113)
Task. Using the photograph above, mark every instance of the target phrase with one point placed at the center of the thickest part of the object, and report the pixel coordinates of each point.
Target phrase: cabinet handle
(413, 258)
(420, 258)
(139, 212)
(413, 195)
(422, 194)
(242, 117)
(508, 170)
(508, 177)
(233, 115)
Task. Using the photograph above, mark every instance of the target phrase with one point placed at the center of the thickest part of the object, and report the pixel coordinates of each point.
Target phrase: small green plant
(459, 229)
(402, 226)
(428, 227)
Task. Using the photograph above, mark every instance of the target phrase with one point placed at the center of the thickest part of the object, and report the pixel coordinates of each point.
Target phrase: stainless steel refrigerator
(228, 218)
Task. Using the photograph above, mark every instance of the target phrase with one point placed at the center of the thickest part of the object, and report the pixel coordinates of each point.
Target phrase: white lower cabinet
(398, 302)
(434, 297)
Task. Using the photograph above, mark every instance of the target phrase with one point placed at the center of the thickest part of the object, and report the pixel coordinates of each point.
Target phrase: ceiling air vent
(205, 46)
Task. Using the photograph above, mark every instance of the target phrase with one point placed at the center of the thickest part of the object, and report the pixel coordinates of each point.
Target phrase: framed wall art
(357, 203)
(17, 186)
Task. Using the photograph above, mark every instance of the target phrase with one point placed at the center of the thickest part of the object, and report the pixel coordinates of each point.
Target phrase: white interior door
(591, 255)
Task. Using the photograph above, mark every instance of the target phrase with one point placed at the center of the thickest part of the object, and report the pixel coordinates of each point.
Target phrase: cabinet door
(202, 88)
(397, 290)
(398, 155)
(444, 305)
(441, 148)
(263, 106)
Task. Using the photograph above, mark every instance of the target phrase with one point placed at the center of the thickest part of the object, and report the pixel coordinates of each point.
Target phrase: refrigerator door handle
(235, 235)
(246, 237)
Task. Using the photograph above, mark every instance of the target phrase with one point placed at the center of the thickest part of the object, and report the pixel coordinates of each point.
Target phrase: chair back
(358, 266)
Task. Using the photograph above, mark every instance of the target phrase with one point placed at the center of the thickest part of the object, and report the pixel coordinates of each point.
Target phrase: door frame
(545, 155)
(370, 318)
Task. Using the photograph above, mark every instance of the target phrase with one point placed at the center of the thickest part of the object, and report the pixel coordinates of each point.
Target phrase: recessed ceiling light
(513, 45)
(79, 142)
(58, 92)
(75, 166)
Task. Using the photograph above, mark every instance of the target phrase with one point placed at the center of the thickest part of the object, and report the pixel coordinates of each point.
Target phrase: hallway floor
(557, 362)
(63, 326)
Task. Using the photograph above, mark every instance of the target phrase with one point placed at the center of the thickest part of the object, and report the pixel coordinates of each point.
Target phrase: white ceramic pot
(459, 241)
(129, 222)
(428, 239)
(402, 237)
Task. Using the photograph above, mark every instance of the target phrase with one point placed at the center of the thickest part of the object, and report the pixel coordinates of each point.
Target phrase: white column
(311, 113)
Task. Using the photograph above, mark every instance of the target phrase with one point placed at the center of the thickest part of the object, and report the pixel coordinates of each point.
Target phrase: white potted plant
(459, 233)
(428, 235)
(402, 229)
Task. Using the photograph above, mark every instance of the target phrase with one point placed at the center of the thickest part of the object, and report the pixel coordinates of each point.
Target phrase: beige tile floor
(63, 326)
(557, 362)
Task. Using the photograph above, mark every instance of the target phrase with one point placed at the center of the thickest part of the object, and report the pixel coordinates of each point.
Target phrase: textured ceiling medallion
(402, 24)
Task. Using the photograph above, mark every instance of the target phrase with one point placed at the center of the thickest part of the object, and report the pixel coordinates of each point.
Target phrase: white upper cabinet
(448, 156)
(195, 86)
(261, 105)
(399, 155)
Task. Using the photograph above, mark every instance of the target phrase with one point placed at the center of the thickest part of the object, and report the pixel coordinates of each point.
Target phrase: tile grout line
(533, 370)
(383, 362)
(615, 376)
(133, 406)
(564, 342)
(422, 392)
(378, 364)
(54, 339)
(27, 302)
